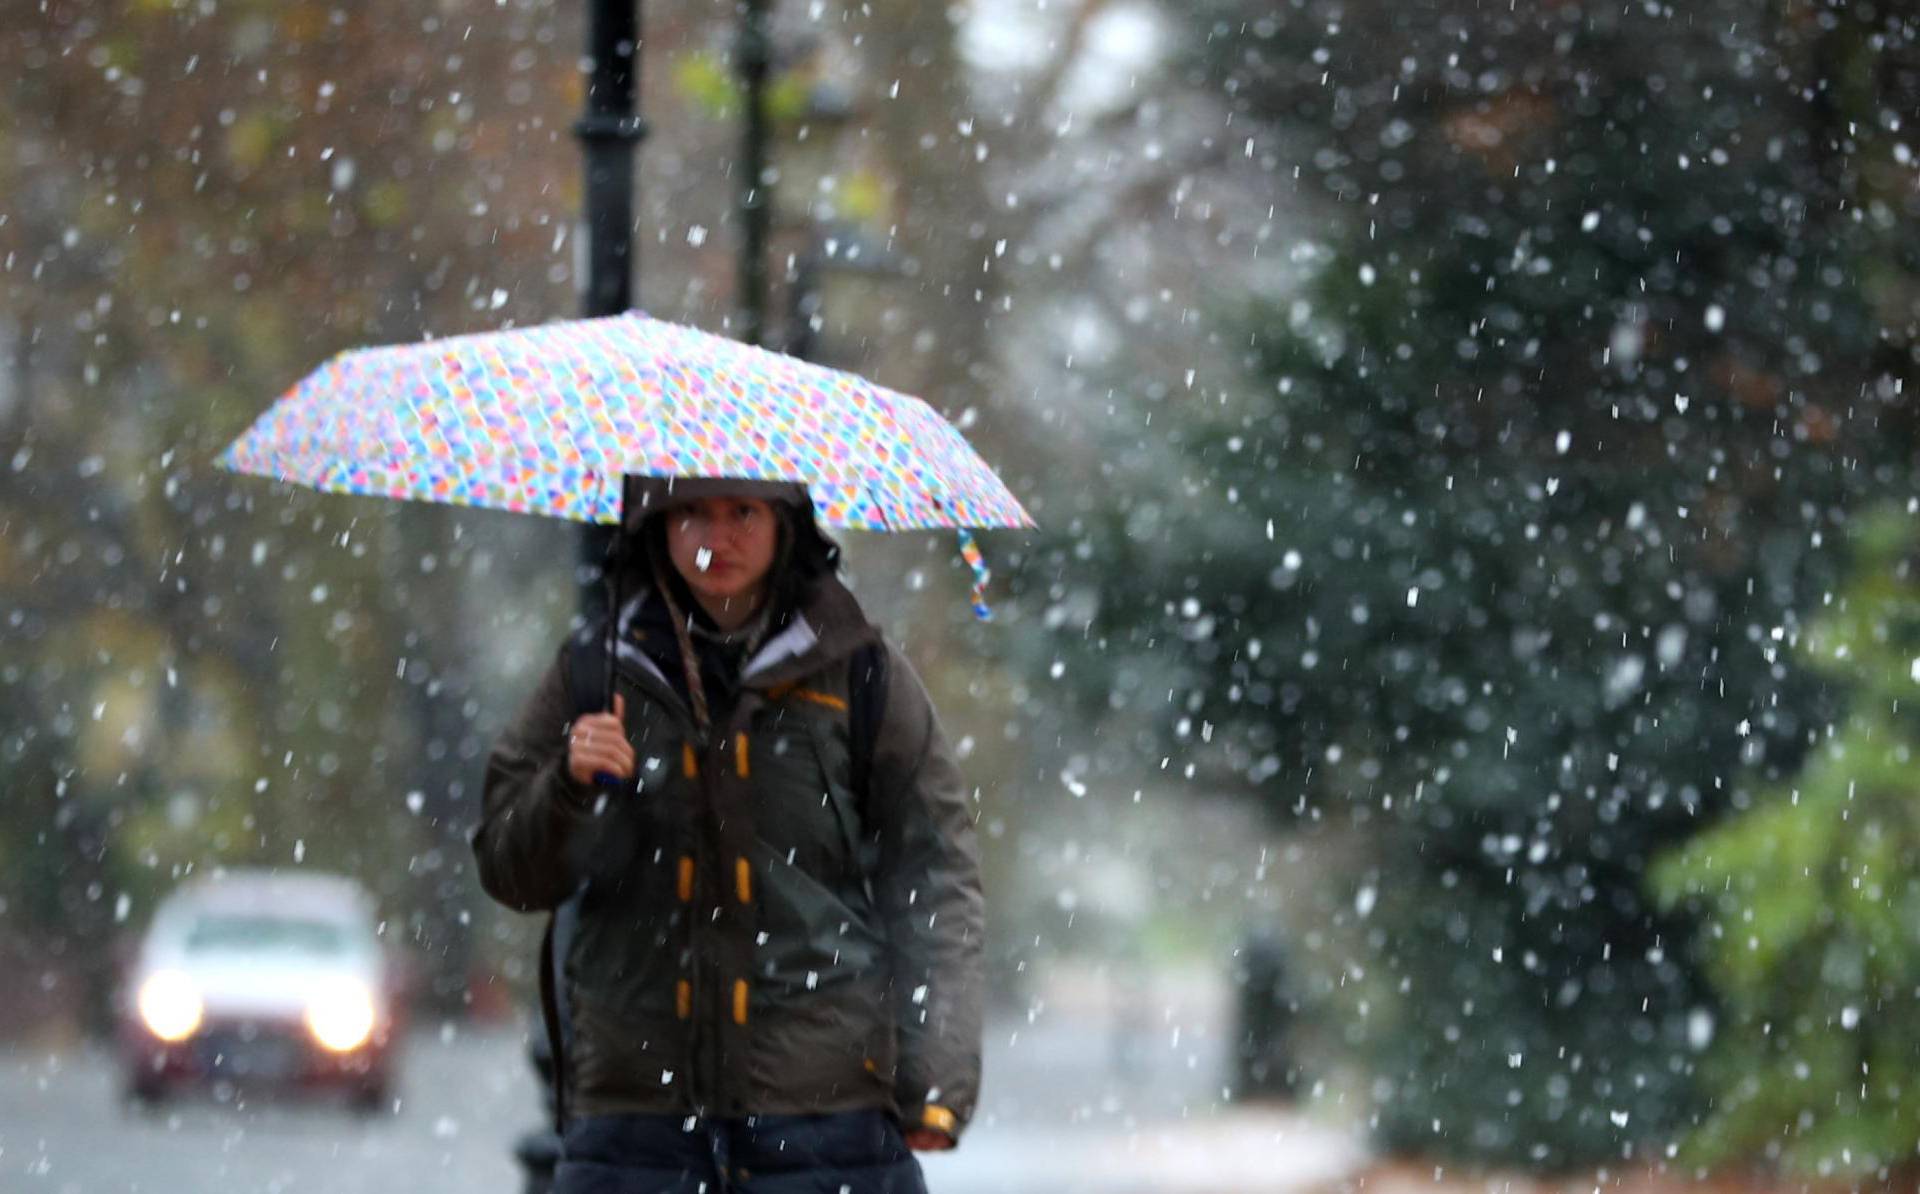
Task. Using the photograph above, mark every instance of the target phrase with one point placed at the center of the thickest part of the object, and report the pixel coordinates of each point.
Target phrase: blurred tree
(1479, 542)
(1809, 900)
(200, 203)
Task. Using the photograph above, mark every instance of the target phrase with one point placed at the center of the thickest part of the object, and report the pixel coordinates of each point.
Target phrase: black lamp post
(609, 131)
(754, 56)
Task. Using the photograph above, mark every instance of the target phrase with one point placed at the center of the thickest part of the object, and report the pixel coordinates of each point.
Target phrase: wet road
(1072, 1104)
(462, 1099)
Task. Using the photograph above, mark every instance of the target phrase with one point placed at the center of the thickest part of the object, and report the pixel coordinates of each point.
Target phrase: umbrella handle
(611, 569)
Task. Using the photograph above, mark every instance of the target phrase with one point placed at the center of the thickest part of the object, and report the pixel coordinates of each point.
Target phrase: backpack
(588, 674)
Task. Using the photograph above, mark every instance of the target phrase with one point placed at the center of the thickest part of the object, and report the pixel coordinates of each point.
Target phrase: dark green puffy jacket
(754, 936)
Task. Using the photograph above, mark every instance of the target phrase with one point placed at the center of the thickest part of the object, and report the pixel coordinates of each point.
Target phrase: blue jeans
(850, 1152)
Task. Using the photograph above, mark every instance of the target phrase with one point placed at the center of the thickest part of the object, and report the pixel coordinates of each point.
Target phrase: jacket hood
(650, 495)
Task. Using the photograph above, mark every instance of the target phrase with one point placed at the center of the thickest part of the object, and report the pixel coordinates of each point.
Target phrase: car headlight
(341, 1015)
(169, 1006)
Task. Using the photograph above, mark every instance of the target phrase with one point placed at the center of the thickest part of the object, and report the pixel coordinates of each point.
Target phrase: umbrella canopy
(550, 419)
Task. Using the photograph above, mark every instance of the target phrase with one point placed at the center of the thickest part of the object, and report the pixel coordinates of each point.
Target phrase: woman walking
(770, 978)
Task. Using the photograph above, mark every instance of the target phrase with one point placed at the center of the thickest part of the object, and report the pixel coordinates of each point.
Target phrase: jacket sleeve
(929, 891)
(534, 817)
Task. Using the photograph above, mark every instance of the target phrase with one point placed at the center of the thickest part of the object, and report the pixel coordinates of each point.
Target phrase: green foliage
(708, 81)
(704, 79)
(1482, 555)
(199, 669)
(1810, 905)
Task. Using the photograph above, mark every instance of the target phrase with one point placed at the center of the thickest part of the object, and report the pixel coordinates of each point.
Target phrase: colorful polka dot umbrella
(550, 419)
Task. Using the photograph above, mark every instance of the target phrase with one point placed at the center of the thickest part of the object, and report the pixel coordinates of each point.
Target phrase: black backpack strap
(586, 687)
(866, 705)
(550, 1016)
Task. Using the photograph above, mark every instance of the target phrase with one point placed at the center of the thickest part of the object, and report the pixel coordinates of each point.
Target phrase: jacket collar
(831, 626)
(828, 630)
(795, 641)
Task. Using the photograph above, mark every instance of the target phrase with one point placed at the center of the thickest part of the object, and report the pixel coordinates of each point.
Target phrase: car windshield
(266, 934)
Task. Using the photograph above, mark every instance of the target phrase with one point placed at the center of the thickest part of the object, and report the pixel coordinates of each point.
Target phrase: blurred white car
(262, 980)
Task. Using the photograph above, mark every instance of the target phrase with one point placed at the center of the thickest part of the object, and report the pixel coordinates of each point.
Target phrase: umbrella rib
(879, 508)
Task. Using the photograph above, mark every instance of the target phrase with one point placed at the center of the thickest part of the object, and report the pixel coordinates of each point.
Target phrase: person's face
(723, 548)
